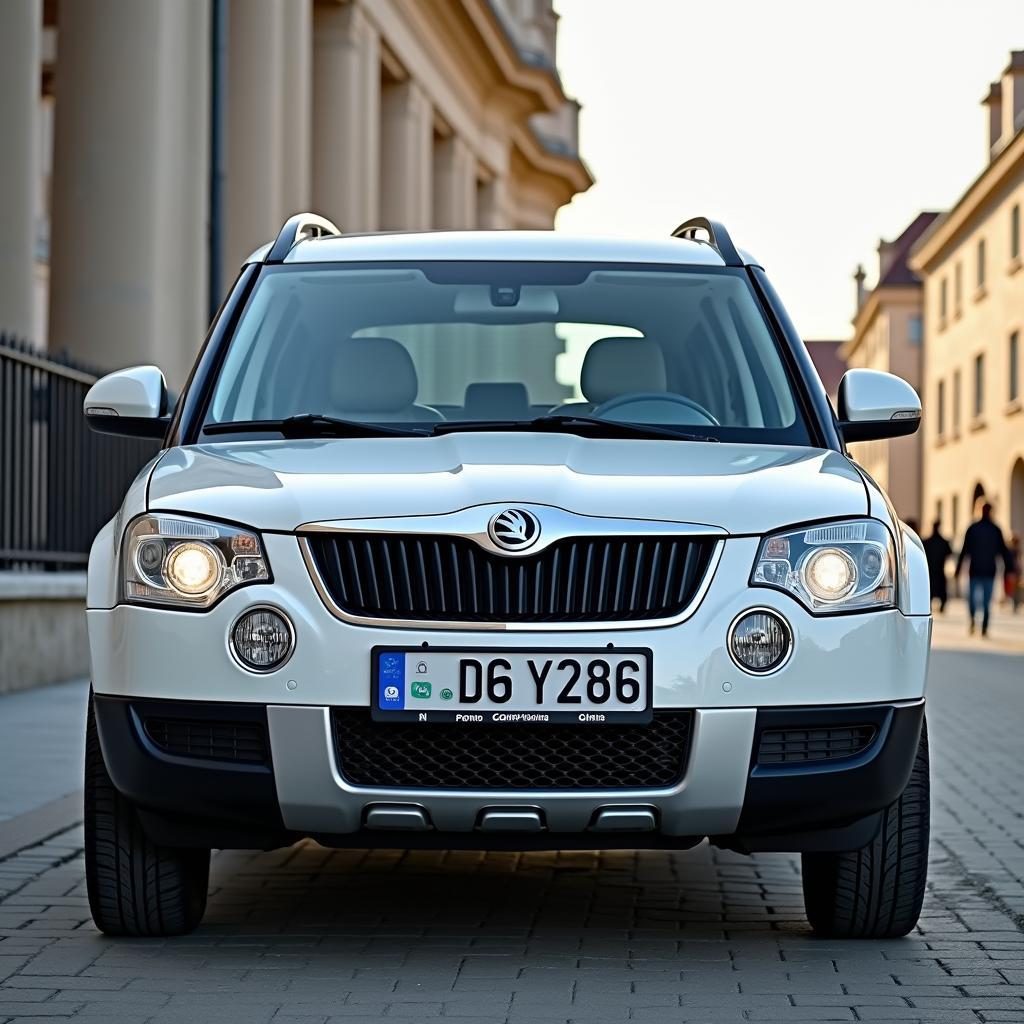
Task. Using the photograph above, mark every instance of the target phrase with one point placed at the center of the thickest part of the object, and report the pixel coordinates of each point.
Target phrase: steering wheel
(656, 398)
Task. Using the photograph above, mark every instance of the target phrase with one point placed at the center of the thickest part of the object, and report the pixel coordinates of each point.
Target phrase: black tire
(876, 892)
(135, 887)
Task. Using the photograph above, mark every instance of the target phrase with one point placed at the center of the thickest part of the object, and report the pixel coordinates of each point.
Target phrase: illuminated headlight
(262, 639)
(187, 563)
(193, 569)
(835, 567)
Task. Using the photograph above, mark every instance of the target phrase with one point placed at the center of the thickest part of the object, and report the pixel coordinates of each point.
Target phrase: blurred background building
(970, 261)
(151, 145)
(887, 335)
(164, 140)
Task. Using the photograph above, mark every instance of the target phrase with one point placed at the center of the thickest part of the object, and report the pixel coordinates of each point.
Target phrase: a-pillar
(407, 137)
(346, 117)
(454, 184)
(21, 23)
(131, 183)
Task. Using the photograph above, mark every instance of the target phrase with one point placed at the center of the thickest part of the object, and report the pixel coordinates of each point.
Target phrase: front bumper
(300, 788)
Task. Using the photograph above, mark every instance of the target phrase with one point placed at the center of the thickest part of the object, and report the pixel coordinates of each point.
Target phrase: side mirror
(130, 402)
(874, 405)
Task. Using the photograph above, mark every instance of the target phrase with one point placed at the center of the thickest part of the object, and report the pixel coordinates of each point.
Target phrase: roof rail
(298, 229)
(718, 237)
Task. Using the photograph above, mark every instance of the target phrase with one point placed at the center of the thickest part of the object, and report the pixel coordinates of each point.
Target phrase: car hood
(281, 485)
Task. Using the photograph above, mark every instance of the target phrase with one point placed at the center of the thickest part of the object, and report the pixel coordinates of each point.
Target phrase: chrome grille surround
(471, 524)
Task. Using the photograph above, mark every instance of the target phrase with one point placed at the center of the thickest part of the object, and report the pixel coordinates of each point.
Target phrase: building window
(958, 288)
(938, 511)
(942, 301)
(956, 402)
(1014, 366)
(956, 515)
(940, 406)
(979, 385)
(1015, 232)
(981, 262)
(914, 329)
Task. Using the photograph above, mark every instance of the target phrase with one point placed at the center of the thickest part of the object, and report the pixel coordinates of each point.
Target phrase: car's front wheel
(876, 892)
(135, 886)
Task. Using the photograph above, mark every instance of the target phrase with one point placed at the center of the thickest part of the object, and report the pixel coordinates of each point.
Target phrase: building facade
(380, 114)
(971, 264)
(828, 361)
(887, 335)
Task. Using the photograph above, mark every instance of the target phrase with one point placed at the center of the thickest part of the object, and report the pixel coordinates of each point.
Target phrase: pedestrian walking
(1013, 586)
(938, 551)
(983, 547)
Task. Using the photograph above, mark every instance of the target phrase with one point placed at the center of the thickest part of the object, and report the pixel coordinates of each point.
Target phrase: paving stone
(310, 935)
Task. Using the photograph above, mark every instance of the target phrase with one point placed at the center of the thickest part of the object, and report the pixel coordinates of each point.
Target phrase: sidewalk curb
(33, 827)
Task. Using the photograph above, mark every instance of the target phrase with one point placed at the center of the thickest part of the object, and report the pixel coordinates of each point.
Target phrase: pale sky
(809, 127)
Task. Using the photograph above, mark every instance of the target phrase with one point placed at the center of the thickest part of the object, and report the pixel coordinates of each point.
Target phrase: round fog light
(262, 639)
(760, 641)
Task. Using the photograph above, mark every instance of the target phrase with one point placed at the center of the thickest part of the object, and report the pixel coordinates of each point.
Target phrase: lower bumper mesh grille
(803, 746)
(241, 742)
(404, 755)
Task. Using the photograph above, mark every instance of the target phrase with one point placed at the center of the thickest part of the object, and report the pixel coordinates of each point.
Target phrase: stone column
(346, 117)
(21, 25)
(296, 100)
(131, 182)
(254, 207)
(407, 136)
(454, 184)
(492, 204)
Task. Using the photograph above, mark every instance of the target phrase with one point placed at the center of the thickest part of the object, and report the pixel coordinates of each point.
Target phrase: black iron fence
(59, 481)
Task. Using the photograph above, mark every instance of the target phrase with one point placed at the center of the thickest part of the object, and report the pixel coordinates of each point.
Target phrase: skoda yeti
(506, 540)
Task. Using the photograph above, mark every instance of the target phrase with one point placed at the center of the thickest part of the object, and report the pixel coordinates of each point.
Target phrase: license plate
(511, 687)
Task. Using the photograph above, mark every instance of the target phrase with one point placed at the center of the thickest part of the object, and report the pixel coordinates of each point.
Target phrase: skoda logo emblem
(514, 529)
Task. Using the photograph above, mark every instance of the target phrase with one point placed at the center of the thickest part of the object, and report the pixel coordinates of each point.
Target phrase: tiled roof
(899, 273)
(830, 367)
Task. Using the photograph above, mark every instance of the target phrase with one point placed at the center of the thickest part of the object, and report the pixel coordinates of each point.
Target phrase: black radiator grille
(242, 742)
(441, 756)
(795, 746)
(590, 579)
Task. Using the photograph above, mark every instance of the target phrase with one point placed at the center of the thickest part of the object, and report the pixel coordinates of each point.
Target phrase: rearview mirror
(130, 402)
(875, 405)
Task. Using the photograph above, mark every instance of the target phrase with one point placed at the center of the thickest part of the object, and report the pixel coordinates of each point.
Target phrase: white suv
(503, 540)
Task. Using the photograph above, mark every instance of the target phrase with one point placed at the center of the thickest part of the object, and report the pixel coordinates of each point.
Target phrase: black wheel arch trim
(221, 792)
(786, 800)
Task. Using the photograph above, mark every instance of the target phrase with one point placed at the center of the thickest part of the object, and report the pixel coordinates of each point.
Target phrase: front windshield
(423, 345)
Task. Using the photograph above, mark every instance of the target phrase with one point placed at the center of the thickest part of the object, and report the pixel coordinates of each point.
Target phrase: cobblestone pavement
(308, 935)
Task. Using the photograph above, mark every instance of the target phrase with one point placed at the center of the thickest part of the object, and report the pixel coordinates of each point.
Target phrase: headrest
(619, 366)
(372, 375)
(486, 401)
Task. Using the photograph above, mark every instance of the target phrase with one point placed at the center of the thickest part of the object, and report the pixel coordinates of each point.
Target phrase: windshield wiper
(571, 424)
(312, 424)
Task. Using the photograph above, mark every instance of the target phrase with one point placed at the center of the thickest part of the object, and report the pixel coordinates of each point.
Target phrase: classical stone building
(887, 335)
(380, 114)
(973, 382)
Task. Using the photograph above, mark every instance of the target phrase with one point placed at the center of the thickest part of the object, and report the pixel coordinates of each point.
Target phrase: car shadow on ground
(474, 897)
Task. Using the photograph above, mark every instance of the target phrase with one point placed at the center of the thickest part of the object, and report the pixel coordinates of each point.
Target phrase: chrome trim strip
(506, 627)
(556, 524)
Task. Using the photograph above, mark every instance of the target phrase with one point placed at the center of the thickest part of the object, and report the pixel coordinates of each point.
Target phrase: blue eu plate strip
(391, 681)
